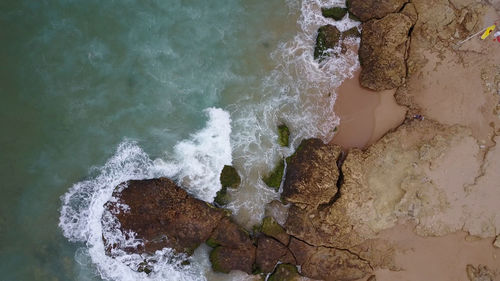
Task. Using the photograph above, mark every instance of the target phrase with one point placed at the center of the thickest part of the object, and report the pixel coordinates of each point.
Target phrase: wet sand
(365, 115)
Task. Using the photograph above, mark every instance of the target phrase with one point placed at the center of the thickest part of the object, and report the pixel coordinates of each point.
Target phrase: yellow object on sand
(488, 31)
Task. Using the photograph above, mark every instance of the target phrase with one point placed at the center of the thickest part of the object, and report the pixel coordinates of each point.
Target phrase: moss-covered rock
(222, 197)
(272, 229)
(274, 178)
(351, 33)
(211, 242)
(336, 13)
(216, 260)
(328, 37)
(229, 177)
(353, 17)
(283, 135)
(285, 272)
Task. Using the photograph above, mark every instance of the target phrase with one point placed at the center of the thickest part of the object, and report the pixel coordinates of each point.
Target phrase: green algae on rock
(351, 33)
(222, 197)
(285, 272)
(272, 229)
(283, 135)
(336, 13)
(215, 260)
(229, 177)
(274, 178)
(328, 37)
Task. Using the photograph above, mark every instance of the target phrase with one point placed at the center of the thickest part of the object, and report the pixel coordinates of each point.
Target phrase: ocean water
(94, 93)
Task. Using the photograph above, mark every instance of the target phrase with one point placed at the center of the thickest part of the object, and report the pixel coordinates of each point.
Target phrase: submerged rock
(161, 214)
(229, 177)
(382, 52)
(283, 135)
(336, 13)
(274, 178)
(328, 37)
(374, 9)
(222, 197)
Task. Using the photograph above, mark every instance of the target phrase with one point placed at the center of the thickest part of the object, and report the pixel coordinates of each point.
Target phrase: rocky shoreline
(437, 171)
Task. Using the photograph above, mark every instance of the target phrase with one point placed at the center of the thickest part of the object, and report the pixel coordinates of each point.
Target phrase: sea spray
(196, 164)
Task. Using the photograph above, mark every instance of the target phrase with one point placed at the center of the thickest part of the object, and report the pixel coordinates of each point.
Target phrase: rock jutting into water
(229, 178)
(283, 135)
(382, 53)
(327, 38)
(374, 9)
(336, 13)
(273, 179)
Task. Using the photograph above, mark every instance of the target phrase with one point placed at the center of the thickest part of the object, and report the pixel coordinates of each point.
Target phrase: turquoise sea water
(96, 92)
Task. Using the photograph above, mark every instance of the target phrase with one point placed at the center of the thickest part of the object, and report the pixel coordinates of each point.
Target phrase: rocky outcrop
(336, 13)
(382, 52)
(283, 135)
(229, 178)
(161, 214)
(374, 9)
(328, 37)
(312, 174)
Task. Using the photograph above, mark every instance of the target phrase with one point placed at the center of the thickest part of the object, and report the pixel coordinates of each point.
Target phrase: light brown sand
(436, 258)
(365, 115)
(452, 87)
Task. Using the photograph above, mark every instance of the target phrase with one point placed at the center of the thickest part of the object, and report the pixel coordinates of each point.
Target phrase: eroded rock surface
(328, 263)
(374, 9)
(383, 52)
(312, 174)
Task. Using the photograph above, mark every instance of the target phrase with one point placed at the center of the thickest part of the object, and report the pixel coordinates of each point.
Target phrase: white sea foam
(196, 163)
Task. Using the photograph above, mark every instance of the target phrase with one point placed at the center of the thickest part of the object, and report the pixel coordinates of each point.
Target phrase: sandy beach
(452, 84)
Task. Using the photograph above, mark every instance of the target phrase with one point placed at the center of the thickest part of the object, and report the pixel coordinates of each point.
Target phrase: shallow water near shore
(95, 93)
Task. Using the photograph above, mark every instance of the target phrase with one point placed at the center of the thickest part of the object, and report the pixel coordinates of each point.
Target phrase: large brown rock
(162, 215)
(374, 9)
(226, 259)
(234, 250)
(382, 53)
(328, 263)
(270, 252)
(312, 174)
